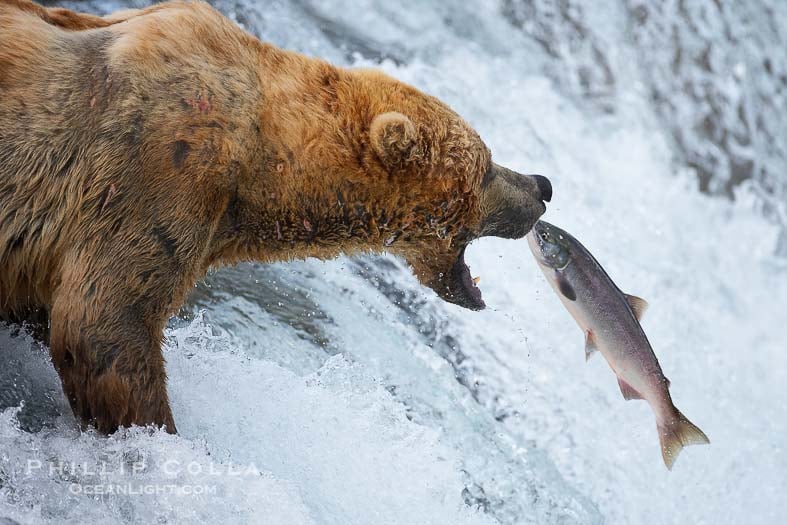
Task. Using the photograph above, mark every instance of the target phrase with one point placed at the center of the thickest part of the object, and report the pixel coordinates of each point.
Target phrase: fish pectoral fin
(638, 305)
(628, 392)
(566, 290)
(590, 345)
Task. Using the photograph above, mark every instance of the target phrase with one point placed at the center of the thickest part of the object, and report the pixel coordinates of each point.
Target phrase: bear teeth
(476, 280)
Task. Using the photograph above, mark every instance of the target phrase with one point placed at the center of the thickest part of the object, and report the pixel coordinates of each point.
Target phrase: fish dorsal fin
(590, 345)
(638, 305)
(627, 391)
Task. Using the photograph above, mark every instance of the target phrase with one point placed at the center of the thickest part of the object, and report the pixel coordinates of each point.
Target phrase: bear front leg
(112, 375)
(106, 345)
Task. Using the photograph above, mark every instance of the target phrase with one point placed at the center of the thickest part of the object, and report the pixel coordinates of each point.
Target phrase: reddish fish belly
(624, 358)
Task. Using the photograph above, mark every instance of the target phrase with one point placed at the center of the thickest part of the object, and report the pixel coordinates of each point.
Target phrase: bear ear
(394, 139)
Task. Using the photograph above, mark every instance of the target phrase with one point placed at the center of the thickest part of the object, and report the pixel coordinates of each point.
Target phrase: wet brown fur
(140, 149)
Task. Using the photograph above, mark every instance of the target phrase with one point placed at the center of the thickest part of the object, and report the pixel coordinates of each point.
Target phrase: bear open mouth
(462, 286)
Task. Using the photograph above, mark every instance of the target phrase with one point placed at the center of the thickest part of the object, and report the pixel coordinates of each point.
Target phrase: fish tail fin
(675, 433)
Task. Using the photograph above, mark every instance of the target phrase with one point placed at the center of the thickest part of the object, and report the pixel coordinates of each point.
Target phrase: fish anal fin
(628, 392)
(590, 345)
(638, 305)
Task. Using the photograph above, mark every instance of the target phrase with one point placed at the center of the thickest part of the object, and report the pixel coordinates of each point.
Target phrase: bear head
(363, 162)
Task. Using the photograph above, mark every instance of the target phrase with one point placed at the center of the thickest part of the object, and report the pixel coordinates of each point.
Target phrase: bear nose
(544, 187)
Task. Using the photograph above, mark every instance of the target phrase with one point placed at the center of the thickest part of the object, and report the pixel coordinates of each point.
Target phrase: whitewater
(343, 392)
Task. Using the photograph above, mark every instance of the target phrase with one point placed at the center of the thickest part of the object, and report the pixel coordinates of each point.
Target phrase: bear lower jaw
(460, 288)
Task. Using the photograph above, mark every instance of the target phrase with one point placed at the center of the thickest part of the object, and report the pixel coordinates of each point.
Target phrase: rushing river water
(343, 392)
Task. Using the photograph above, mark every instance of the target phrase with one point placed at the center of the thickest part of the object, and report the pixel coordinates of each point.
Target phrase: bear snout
(511, 202)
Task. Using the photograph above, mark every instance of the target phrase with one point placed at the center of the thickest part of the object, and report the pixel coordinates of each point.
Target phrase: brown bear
(140, 149)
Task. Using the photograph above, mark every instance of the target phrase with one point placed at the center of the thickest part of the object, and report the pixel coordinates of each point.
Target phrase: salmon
(610, 320)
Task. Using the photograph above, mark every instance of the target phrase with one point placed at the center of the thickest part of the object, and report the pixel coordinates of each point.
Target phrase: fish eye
(545, 236)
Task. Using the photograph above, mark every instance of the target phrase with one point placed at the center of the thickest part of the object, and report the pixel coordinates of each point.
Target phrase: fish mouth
(460, 287)
(549, 245)
(535, 242)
